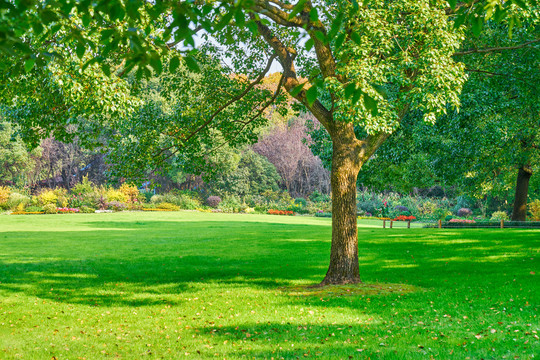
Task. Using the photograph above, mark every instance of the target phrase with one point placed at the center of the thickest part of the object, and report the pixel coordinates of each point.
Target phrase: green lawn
(171, 285)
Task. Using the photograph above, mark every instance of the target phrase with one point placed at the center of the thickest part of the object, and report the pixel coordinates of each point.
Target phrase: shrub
(131, 192)
(402, 209)
(427, 208)
(318, 197)
(231, 204)
(35, 209)
(187, 203)
(83, 187)
(156, 199)
(116, 205)
(323, 214)
(298, 208)
(47, 196)
(62, 198)
(116, 196)
(49, 209)
(301, 201)
(534, 208)
(464, 212)
(4, 196)
(87, 210)
(213, 201)
(147, 195)
(17, 201)
(370, 206)
(499, 215)
(463, 202)
(168, 206)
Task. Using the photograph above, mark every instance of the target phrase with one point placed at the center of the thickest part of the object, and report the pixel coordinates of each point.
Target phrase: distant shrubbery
(86, 197)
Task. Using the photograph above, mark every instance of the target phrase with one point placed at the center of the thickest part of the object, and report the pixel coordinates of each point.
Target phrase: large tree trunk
(343, 268)
(522, 190)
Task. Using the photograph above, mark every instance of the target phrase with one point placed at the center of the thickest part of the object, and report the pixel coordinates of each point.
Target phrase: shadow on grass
(151, 262)
(143, 263)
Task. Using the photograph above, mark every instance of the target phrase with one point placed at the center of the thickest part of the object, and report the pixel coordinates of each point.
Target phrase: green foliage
(301, 201)
(499, 215)
(17, 201)
(87, 210)
(47, 196)
(318, 197)
(83, 187)
(49, 208)
(231, 204)
(15, 159)
(250, 174)
(534, 208)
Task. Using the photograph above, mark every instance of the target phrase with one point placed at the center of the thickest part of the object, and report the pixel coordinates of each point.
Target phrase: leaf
(311, 95)
(81, 49)
(29, 64)
(320, 36)
(477, 25)
(106, 69)
(521, 4)
(297, 8)
(336, 24)
(371, 104)
(192, 63)
(155, 63)
(356, 38)
(381, 90)
(296, 90)
(239, 18)
(86, 18)
(452, 3)
(356, 96)
(174, 64)
(339, 40)
(350, 89)
(313, 15)
(309, 44)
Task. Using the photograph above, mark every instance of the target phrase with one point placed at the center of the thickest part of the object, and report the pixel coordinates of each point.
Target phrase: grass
(186, 284)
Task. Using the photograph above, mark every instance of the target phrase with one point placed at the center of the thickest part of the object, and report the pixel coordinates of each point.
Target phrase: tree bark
(522, 190)
(346, 163)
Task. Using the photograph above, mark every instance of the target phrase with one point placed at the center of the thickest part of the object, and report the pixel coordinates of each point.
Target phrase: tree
(367, 64)
(286, 146)
(14, 157)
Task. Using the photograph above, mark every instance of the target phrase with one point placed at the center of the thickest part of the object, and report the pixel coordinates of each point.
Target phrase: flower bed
(462, 221)
(280, 212)
(405, 218)
(67, 210)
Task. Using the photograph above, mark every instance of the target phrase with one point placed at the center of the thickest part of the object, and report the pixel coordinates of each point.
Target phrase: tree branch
(227, 104)
(286, 58)
(503, 48)
(279, 16)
